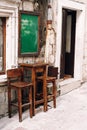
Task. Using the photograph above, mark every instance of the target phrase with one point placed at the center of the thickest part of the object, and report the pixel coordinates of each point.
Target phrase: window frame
(4, 45)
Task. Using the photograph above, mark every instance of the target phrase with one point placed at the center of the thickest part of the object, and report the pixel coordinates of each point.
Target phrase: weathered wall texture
(3, 100)
(42, 10)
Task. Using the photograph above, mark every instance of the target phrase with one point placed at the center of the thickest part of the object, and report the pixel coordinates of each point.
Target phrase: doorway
(68, 43)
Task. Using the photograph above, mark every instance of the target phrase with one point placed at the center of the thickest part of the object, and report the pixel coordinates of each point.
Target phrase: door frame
(79, 36)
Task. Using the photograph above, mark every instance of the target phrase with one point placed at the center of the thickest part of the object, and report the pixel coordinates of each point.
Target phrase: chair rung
(49, 96)
(39, 101)
(26, 104)
(23, 105)
(14, 104)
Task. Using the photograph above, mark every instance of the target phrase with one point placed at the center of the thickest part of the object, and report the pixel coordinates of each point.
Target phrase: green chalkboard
(28, 33)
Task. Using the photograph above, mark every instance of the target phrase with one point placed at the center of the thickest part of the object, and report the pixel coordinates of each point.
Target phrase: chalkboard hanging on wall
(28, 33)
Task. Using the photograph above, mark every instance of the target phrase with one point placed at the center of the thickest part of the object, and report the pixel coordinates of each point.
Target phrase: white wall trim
(10, 11)
(80, 8)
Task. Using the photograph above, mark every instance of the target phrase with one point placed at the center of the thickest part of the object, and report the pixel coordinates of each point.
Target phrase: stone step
(68, 85)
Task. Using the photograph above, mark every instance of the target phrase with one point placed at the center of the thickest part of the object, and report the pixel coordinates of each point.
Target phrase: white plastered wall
(10, 11)
(79, 41)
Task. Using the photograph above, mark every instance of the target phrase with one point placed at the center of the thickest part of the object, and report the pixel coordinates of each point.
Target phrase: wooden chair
(51, 78)
(15, 81)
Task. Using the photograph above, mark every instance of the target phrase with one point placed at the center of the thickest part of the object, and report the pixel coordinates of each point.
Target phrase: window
(2, 44)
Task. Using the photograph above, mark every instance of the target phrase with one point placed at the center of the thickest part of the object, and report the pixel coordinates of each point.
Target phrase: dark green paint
(29, 33)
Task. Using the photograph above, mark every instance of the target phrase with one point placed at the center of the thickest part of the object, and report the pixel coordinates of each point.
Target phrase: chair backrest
(53, 71)
(14, 73)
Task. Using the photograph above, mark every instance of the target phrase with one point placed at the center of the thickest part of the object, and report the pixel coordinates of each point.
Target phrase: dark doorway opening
(68, 43)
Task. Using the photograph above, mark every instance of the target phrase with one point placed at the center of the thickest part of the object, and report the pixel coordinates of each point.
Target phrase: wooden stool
(51, 78)
(15, 81)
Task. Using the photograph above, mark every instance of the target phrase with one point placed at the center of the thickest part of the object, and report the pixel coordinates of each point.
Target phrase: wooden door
(69, 55)
(63, 46)
(68, 43)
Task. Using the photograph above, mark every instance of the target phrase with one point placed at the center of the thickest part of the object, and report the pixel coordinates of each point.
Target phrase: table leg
(34, 89)
(45, 90)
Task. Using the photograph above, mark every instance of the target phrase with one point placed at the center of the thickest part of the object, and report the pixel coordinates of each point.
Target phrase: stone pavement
(70, 114)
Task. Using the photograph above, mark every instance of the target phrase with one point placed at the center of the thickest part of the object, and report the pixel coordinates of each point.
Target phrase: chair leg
(30, 100)
(54, 94)
(20, 104)
(45, 98)
(9, 102)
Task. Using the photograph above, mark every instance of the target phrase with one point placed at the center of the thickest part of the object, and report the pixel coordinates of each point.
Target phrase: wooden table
(37, 67)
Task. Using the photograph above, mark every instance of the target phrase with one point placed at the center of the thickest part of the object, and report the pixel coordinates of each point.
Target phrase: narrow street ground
(70, 114)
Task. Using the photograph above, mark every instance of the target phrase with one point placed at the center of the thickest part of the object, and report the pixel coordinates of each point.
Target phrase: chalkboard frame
(29, 53)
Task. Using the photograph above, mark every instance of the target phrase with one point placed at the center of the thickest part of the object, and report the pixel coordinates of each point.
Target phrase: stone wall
(27, 5)
(42, 8)
(3, 100)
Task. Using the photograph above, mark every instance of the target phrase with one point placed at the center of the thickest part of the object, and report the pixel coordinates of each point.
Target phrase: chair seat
(48, 78)
(20, 84)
